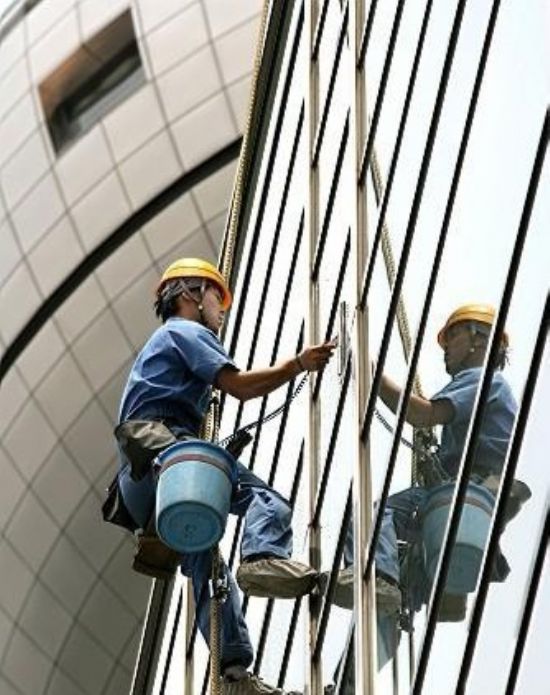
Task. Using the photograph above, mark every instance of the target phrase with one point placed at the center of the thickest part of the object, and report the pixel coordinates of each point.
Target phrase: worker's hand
(315, 357)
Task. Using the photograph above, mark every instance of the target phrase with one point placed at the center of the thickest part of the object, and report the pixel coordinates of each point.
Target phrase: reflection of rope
(425, 447)
(388, 427)
(425, 435)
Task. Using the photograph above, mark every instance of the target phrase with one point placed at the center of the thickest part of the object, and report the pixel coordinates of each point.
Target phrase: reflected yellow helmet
(483, 313)
(197, 268)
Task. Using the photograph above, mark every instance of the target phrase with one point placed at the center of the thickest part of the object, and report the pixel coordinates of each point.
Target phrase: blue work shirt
(496, 428)
(173, 374)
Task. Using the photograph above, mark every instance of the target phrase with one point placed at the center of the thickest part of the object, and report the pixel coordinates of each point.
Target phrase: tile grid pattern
(63, 569)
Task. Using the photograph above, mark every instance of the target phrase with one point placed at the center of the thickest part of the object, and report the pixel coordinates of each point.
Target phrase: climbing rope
(211, 424)
(215, 635)
(210, 427)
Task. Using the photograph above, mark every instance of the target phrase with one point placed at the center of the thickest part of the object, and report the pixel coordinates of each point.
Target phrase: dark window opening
(89, 84)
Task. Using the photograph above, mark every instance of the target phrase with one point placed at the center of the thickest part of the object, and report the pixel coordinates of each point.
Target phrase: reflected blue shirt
(496, 428)
(173, 374)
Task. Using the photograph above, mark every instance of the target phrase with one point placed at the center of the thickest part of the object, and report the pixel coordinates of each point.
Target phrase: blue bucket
(471, 538)
(194, 495)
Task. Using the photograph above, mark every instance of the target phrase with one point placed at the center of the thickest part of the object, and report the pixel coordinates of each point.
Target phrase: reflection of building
(119, 131)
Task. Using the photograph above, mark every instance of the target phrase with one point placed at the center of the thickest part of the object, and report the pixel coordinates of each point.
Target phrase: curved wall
(70, 608)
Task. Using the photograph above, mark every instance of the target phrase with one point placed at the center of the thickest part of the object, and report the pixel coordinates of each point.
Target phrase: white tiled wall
(58, 404)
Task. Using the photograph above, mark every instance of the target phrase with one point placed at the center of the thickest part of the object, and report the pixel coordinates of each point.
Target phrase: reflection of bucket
(470, 539)
(193, 495)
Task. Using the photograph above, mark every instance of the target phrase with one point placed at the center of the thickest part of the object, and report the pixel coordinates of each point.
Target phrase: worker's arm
(421, 412)
(259, 382)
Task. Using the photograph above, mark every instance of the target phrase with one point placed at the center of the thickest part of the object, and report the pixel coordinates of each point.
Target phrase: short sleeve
(461, 393)
(200, 349)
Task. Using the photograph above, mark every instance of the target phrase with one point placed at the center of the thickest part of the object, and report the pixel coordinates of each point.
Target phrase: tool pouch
(141, 441)
(152, 557)
(114, 510)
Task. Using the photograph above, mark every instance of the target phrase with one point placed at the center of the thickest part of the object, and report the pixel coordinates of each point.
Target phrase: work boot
(276, 577)
(343, 593)
(388, 594)
(249, 684)
(347, 689)
(152, 557)
(452, 608)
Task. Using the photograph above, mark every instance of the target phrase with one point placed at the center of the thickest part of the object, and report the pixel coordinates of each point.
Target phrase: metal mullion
(436, 263)
(365, 160)
(263, 636)
(278, 334)
(273, 251)
(336, 561)
(311, 444)
(330, 91)
(320, 245)
(319, 29)
(395, 156)
(231, 559)
(365, 35)
(173, 634)
(479, 408)
(296, 610)
(269, 608)
(506, 482)
(288, 288)
(152, 632)
(297, 476)
(413, 216)
(286, 298)
(282, 426)
(190, 625)
(253, 456)
(267, 178)
(334, 309)
(289, 642)
(362, 641)
(529, 604)
(276, 237)
(272, 58)
(348, 651)
(252, 252)
(320, 492)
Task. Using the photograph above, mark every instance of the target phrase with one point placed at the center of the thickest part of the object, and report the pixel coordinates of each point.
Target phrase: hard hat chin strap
(199, 302)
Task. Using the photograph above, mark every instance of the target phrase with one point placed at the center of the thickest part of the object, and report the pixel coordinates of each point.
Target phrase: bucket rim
(201, 452)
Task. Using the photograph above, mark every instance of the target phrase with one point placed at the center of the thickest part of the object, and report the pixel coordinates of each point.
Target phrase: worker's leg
(139, 497)
(266, 568)
(267, 515)
(398, 523)
(235, 641)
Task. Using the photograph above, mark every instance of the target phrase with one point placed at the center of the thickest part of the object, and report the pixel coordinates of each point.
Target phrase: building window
(92, 82)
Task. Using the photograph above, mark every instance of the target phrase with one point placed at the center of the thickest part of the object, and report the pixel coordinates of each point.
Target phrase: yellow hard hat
(482, 313)
(197, 268)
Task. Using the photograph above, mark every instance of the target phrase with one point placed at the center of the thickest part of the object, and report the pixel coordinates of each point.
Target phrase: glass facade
(368, 162)
(398, 172)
